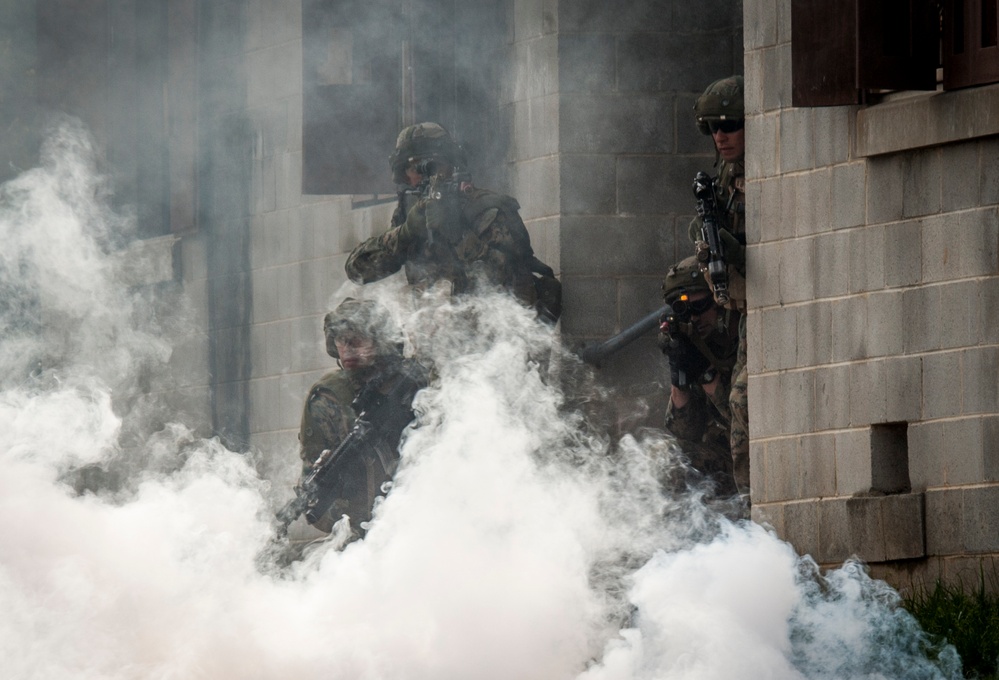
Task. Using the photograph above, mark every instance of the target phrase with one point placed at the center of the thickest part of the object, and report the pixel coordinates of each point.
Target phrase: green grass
(967, 618)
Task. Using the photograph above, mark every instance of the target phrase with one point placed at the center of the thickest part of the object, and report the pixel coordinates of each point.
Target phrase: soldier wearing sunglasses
(720, 113)
(700, 340)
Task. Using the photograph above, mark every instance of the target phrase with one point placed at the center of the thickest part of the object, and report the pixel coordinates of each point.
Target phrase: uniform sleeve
(323, 425)
(690, 422)
(378, 257)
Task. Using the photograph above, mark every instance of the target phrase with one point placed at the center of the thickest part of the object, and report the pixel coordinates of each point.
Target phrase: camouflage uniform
(723, 100)
(462, 236)
(702, 425)
(328, 414)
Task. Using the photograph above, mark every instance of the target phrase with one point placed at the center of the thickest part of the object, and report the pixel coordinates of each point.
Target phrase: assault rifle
(384, 409)
(711, 221)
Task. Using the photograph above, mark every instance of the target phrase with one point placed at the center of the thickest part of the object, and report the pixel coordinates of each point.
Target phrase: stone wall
(874, 382)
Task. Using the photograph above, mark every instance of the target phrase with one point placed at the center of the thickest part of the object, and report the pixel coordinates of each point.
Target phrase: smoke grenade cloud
(519, 539)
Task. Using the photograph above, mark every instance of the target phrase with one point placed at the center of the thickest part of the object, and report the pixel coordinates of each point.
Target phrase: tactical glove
(414, 230)
(686, 363)
(735, 252)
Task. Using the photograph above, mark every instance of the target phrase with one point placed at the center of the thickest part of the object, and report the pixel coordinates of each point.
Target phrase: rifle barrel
(595, 354)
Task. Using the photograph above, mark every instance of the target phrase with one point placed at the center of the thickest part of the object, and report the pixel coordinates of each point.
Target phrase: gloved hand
(414, 230)
(686, 363)
(735, 252)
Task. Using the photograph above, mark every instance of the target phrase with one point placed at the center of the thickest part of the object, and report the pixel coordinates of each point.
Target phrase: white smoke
(519, 540)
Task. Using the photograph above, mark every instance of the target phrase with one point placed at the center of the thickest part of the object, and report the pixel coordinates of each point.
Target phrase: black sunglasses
(726, 126)
(683, 306)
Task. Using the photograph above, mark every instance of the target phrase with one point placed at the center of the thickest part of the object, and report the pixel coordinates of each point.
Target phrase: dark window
(371, 67)
(842, 50)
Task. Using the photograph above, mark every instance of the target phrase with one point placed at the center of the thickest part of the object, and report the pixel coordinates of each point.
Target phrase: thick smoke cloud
(519, 540)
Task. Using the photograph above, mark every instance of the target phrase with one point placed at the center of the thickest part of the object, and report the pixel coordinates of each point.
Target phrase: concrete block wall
(873, 272)
(628, 152)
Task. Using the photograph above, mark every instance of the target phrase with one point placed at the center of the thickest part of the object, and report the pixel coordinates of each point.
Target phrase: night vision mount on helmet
(366, 318)
(427, 142)
(722, 100)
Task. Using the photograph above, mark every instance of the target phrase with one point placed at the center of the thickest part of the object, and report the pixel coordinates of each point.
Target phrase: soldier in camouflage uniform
(700, 340)
(362, 338)
(446, 230)
(720, 112)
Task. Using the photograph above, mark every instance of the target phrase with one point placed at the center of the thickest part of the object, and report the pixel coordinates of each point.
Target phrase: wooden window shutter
(823, 52)
(898, 44)
(970, 52)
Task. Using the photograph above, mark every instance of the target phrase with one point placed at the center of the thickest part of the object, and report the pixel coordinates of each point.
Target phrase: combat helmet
(366, 318)
(423, 141)
(684, 278)
(722, 100)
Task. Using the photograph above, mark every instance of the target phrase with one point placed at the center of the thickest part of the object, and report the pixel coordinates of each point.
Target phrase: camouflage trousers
(739, 409)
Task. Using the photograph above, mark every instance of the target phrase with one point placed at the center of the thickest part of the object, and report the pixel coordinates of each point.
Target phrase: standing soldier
(367, 345)
(700, 339)
(720, 112)
(446, 230)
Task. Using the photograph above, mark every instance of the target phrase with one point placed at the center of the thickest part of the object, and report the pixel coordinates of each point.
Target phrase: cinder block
(797, 410)
(963, 460)
(835, 540)
(763, 275)
(849, 326)
(832, 264)
(989, 172)
(832, 141)
(777, 77)
(536, 128)
(977, 242)
(814, 334)
(944, 521)
(752, 65)
(588, 185)
(761, 137)
(288, 178)
(777, 336)
(765, 420)
(979, 371)
(789, 207)
(616, 123)
(759, 482)
(643, 181)
(782, 470)
(927, 449)
(922, 177)
(903, 254)
(613, 246)
(904, 528)
(536, 186)
(866, 537)
(853, 462)
(849, 182)
(988, 310)
(769, 515)
(536, 70)
(527, 19)
(796, 152)
(817, 454)
(589, 15)
(759, 24)
(289, 283)
(754, 346)
(772, 226)
(868, 399)
(832, 397)
(960, 188)
(590, 306)
(801, 527)
(867, 259)
(941, 385)
(885, 329)
(652, 62)
(263, 185)
(990, 447)
(940, 249)
(981, 517)
(797, 280)
(814, 202)
(903, 389)
(921, 319)
(885, 180)
(266, 304)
